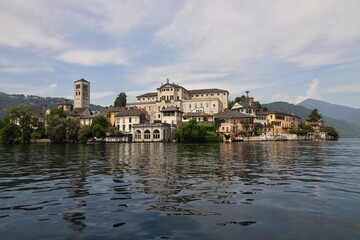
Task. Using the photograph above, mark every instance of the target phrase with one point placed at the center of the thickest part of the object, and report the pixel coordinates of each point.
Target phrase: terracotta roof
(227, 113)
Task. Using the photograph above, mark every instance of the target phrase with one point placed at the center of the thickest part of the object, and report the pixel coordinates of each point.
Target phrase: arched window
(137, 134)
(147, 134)
(156, 134)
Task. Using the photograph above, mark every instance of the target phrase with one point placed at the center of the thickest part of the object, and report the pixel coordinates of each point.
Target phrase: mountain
(10, 100)
(345, 127)
(332, 110)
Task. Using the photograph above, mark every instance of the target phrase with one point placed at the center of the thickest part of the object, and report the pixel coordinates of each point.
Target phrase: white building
(210, 101)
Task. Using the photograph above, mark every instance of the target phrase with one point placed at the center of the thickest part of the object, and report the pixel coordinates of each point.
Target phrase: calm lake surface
(262, 190)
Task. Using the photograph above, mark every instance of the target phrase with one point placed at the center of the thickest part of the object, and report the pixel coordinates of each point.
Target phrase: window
(147, 134)
(130, 119)
(137, 134)
(178, 98)
(129, 127)
(171, 97)
(123, 127)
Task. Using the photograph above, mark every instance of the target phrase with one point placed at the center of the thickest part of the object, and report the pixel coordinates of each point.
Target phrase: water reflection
(144, 190)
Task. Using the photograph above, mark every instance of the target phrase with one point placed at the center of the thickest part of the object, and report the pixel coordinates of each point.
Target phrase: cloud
(350, 88)
(93, 57)
(232, 35)
(99, 95)
(23, 69)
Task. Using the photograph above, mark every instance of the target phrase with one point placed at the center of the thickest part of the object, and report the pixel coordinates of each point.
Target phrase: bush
(85, 132)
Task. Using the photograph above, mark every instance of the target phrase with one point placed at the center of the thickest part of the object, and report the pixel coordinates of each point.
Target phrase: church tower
(81, 93)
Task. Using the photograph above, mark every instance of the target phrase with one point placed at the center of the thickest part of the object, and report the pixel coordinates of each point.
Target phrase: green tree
(331, 131)
(100, 120)
(9, 131)
(191, 132)
(85, 132)
(72, 129)
(21, 116)
(258, 129)
(56, 128)
(98, 131)
(314, 116)
(120, 100)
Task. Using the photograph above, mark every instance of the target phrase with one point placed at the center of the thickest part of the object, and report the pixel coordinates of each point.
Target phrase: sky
(277, 50)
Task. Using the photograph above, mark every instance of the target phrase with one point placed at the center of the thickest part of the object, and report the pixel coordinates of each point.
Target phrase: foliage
(100, 120)
(191, 132)
(72, 129)
(98, 131)
(56, 111)
(9, 131)
(56, 129)
(120, 100)
(212, 137)
(331, 131)
(303, 129)
(258, 129)
(314, 115)
(39, 132)
(22, 117)
(84, 133)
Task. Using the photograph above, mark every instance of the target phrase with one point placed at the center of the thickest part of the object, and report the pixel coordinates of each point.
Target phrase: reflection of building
(81, 93)
(210, 101)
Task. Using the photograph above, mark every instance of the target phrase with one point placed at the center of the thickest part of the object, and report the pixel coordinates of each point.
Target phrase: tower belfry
(81, 93)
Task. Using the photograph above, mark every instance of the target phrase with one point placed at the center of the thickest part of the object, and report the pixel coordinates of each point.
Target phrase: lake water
(262, 190)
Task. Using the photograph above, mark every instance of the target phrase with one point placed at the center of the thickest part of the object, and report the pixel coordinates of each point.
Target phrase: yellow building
(281, 123)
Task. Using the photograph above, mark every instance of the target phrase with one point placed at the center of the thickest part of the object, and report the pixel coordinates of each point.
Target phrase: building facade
(210, 101)
(81, 94)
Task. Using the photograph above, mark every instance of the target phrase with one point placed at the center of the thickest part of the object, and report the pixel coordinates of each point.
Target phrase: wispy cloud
(24, 69)
(99, 95)
(348, 88)
(93, 57)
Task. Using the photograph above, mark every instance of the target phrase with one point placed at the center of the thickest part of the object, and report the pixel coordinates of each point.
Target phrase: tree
(98, 131)
(56, 129)
(314, 116)
(120, 100)
(84, 133)
(72, 129)
(258, 129)
(331, 131)
(9, 131)
(100, 120)
(191, 132)
(21, 116)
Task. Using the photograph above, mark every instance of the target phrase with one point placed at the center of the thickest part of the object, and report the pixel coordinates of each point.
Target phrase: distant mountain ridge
(347, 127)
(10, 100)
(334, 111)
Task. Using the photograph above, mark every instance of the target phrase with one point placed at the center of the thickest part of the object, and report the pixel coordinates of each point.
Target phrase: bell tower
(81, 93)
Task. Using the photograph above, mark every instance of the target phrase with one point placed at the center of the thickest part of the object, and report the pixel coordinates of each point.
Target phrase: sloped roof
(227, 113)
(170, 109)
(281, 113)
(209, 90)
(151, 94)
(125, 112)
(242, 105)
(82, 80)
(197, 114)
(77, 112)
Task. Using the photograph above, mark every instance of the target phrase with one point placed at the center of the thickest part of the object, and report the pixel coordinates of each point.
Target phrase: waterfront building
(81, 93)
(210, 101)
(281, 122)
(125, 118)
(66, 106)
(200, 117)
(85, 115)
(234, 122)
(245, 107)
(154, 132)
